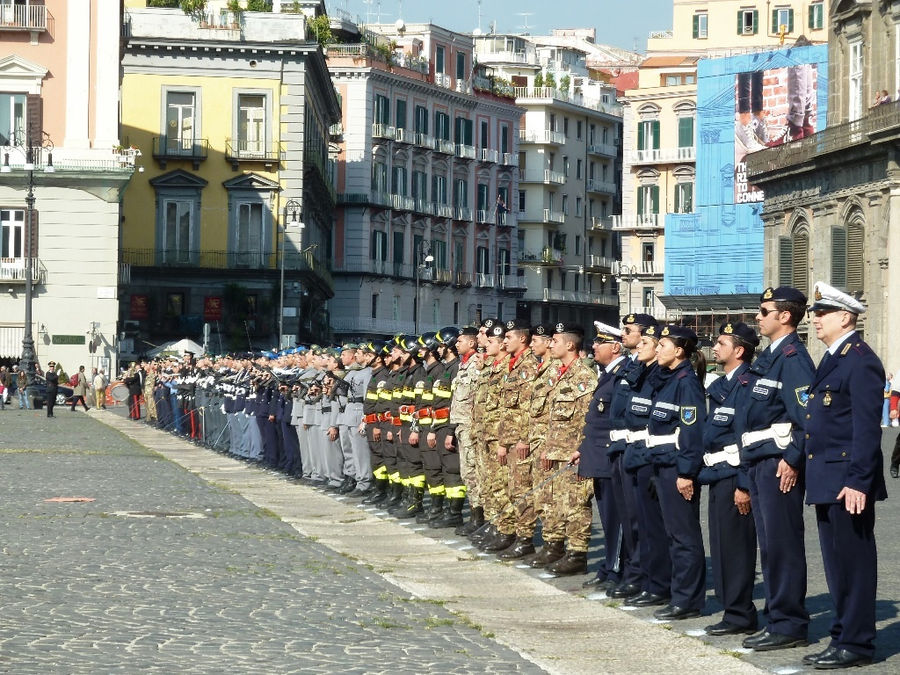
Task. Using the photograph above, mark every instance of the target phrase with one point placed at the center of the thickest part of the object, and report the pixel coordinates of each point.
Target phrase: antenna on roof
(526, 15)
(479, 17)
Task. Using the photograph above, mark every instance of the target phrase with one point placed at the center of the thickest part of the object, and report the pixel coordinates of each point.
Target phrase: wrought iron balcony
(16, 17)
(167, 148)
(242, 150)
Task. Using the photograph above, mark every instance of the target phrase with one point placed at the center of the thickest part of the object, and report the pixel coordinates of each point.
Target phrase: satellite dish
(400, 25)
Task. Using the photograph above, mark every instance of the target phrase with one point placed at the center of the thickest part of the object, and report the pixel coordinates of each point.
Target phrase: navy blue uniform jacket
(843, 428)
(594, 461)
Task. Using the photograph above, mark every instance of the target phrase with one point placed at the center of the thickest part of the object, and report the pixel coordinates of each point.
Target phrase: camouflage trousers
(492, 479)
(564, 507)
(467, 464)
(519, 484)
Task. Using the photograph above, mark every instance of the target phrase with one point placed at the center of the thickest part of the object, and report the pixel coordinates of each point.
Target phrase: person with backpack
(79, 389)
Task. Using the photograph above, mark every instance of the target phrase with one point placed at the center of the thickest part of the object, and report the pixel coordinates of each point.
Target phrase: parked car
(63, 394)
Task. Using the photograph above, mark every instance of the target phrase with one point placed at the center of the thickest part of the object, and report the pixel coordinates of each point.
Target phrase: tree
(320, 26)
(550, 81)
(539, 80)
(564, 82)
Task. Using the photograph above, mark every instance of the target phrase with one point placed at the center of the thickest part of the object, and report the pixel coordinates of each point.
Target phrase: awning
(11, 341)
(700, 305)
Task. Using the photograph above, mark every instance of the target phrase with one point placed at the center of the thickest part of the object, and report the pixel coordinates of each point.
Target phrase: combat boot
(379, 492)
(414, 506)
(475, 521)
(348, 486)
(499, 543)
(397, 497)
(574, 562)
(521, 547)
(550, 553)
(486, 531)
(434, 511)
(452, 514)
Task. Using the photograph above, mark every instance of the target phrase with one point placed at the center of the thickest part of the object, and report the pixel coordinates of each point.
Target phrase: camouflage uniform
(515, 400)
(494, 477)
(537, 432)
(461, 420)
(568, 401)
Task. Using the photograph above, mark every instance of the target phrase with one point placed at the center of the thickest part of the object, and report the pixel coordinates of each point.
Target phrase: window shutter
(855, 272)
(640, 144)
(790, 21)
(654, 199)
(34, 124)
(401, 115)
(685, 132)
(755, 21)
(677, 199)
(775, 26)
(696, 26)
(641, 202)
(801, 262)
(839, 257)
(785, 261)
(656, 134)
(811, 11)
(740, 29)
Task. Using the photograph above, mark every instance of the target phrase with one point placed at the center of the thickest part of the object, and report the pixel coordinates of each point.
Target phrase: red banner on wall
(140, 307)
(212, 308)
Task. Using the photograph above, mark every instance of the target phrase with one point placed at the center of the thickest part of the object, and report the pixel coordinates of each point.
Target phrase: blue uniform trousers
(611, 563)
(654, 543)
(685, 540)
(782, 552)
(849, 555)
(732, 549)
(624, 496)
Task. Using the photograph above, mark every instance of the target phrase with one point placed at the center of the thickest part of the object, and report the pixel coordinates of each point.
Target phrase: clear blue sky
(623, 23)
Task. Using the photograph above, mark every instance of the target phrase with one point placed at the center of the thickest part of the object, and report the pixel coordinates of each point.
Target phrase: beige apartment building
(659, 124)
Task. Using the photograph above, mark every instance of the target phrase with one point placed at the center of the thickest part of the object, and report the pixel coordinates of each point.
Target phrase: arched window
(847, 254)
(793, 258)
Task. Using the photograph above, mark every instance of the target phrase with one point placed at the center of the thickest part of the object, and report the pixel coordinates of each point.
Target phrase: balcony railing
(603, 186)
(441, 276)
(641, 267)
(465, 151)
(604, 149)
(554, 216)
(542, 136)
(12, 270)
(484, 280)
(579, 297)
(425, 141)
(443, 80)
(21, 17)
(404, 135)
(512, 282)
(462, 279)
(488, 155)
(600, 262)
(402, 203)
(510, 159)
(483, 216)
(632, 221)
(462, 213)
(124, 274)
(602, 223)
(243, 150)
(661, 155)
(546, 176)
(612, 109)
(167, 148)
(384, 131)
(548, 256)
(882, 118)
(443, 210)
(384, 268)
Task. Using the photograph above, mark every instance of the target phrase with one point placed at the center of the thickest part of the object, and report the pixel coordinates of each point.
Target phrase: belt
(729, 454)
(371, 418)
(629, 436)
(442, 414)
(666, 439)
(407, 409)
(780, 433)
(324, 409)
(356, 399)
(421, 413)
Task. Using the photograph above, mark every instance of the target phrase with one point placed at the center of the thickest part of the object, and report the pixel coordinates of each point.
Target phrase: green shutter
(696, 26)
(811, 12)
(655, 124)
(688, 198)
(685, 132)
(401, 115)
(775, 26)
(740, 30)
(855, 276)
(677, 198)
(839, 257)
(640, 145)
(654, 199)
(785, 261)
(790, 21)
(801, 262)
(755, 21)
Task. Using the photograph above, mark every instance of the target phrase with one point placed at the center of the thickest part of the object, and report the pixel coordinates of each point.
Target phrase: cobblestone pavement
(165, 572)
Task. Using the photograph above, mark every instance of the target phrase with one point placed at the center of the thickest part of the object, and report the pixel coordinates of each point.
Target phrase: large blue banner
(745, 104)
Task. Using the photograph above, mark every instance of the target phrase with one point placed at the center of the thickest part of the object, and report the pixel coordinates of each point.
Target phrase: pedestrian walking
(100, 384)
(79, 391)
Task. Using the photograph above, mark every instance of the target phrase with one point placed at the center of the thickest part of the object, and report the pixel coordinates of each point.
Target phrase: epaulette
(789, 350)
(862, 348)
(744, 378)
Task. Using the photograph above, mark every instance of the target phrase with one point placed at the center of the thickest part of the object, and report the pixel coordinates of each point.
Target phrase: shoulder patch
(744, 379)
(802, 394)
(846, 349)
(789, 350)
(688, 414)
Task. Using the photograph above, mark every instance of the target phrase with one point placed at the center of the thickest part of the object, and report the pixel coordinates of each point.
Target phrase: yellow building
(660, 129)
(231, 218)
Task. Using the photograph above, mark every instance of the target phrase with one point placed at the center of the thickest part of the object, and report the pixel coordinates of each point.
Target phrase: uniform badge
(729, 329)
(845, 349)
(581, 386)
(802, 395)
(826, 400)
(689, 415)
(600, 406)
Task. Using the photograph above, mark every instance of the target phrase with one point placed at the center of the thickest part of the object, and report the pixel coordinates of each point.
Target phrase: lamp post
(291, 215)
(421, 264)
(627, 275)
(30, 149)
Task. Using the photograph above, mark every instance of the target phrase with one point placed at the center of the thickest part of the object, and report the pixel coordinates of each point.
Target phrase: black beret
(640, 320)
(682, 332)
(468, 330)
(741, 331)
(542, 330)
(518, 324)
(497, 331)
(783, 294)
(651, 331)
(565, 327)
(489, 323)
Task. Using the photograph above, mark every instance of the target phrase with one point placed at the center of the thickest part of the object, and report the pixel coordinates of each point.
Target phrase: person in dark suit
(845, 474)
(769, 420)
(593, 461)
(52, 378)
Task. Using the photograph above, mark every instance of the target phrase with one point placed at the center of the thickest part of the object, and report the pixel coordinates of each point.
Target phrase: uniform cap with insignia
(349, 345)
(830, 299)
(496, 331)
(640, 320)
(606, 333)
(518, 324)
(468, 330)
(682, 332)
(651, 331)
(741, 331)
(489, 323)
(783, 294)
(542, 330)
(564, 327)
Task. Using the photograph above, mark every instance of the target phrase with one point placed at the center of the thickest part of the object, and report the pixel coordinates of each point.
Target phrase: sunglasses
(822, 312)
(764, 311)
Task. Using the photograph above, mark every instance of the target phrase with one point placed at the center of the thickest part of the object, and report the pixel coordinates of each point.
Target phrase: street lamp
(627, 275)
(30, 150)
(291, 216)
(421, 264)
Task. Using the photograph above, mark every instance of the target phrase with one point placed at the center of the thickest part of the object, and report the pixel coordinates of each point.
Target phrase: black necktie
(824, 360)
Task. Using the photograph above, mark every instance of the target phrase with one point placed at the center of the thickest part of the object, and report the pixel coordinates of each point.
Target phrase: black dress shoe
(728, 628)
(647, 599)
(768, 642)
(810, 659)
(675, 613)
(895, 471)
(841, 658)
(624, 591)
(599, 584)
